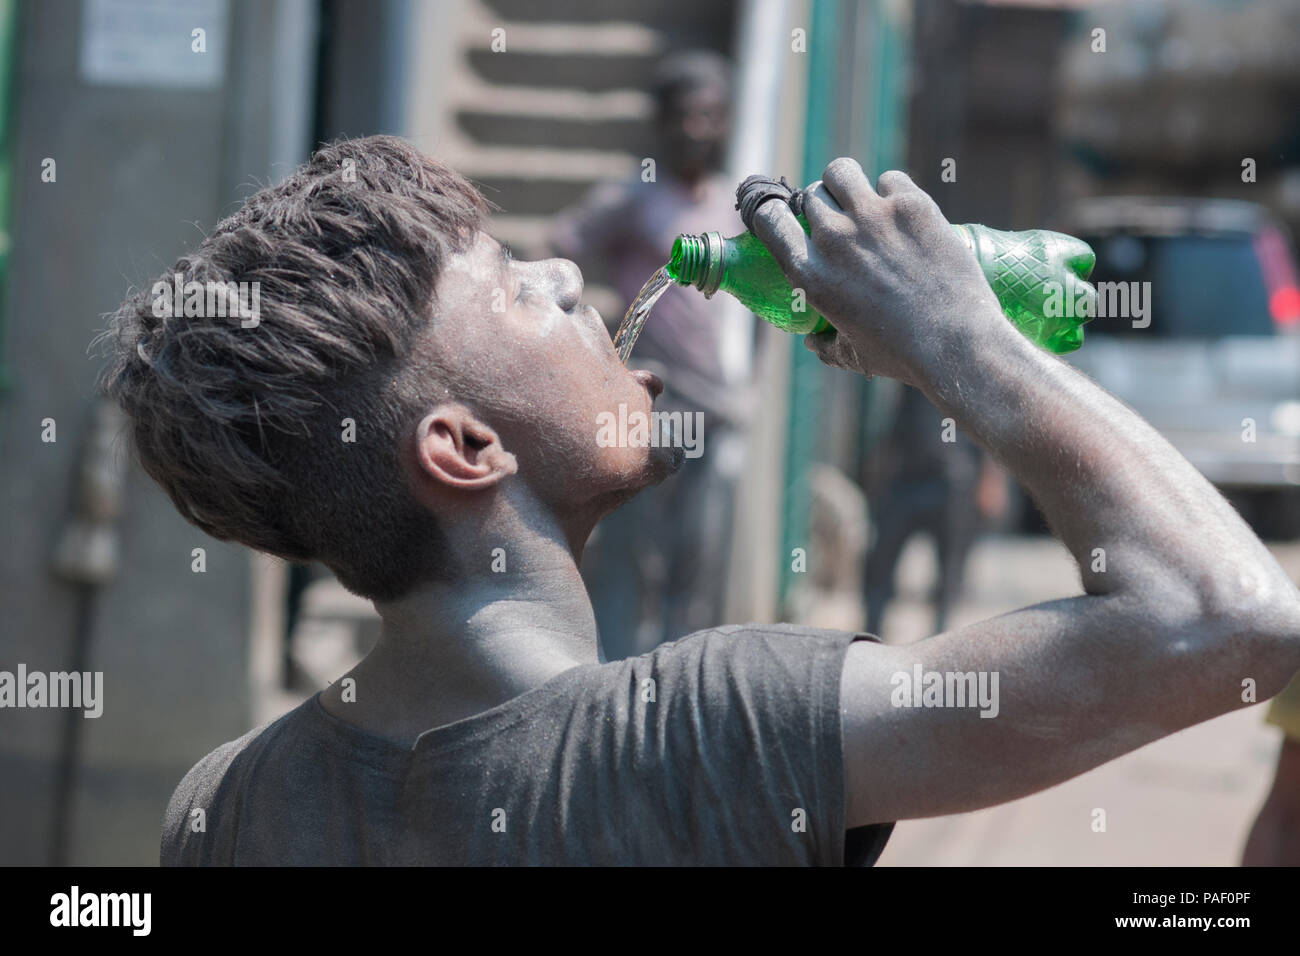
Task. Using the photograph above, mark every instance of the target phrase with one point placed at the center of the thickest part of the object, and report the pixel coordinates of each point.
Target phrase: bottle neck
(697, 261)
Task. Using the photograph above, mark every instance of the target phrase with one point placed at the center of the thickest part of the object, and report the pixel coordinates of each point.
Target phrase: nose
(564, 280)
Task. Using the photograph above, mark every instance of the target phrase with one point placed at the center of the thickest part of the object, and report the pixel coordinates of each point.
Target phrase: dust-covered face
(540, 369)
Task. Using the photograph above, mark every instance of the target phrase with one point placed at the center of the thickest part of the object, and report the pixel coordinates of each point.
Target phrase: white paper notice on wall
(174, 44)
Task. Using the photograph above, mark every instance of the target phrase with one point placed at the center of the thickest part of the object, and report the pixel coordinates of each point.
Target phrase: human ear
(456, 449)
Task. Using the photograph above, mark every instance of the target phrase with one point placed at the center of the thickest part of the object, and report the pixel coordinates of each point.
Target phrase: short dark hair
(687, 71)
(243, 427)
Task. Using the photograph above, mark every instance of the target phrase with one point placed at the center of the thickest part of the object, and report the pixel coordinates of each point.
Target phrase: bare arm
(1190, 603)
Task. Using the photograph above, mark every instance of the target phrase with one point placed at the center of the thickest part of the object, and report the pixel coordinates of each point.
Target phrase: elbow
(1256, 617)
(1280, 623)
(1258, 597)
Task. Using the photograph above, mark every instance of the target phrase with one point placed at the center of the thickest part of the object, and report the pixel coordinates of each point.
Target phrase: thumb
(834, 350)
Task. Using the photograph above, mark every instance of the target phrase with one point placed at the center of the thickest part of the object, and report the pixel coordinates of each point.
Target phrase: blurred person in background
(657, 568)
(937, 481)
(300, 577)
(1275, 838)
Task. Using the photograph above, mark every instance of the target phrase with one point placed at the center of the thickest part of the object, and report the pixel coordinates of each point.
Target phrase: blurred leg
(701, 525)
(954, 539)
(897, 516)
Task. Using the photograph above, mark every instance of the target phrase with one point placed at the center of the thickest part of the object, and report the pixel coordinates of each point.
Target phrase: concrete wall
(142, 171)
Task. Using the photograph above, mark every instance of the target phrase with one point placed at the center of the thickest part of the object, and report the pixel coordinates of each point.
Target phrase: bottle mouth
(697, 261)
(686, 264)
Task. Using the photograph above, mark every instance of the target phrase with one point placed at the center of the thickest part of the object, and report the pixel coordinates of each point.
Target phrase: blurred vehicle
(1207, 346)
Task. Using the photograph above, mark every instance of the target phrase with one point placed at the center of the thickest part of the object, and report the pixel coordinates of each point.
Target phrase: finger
(848, 184)
(819, 206)
(833, 349)
(778, 229)
(895, 181)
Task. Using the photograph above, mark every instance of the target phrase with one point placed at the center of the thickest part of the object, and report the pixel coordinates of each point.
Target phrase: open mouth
(649, 380)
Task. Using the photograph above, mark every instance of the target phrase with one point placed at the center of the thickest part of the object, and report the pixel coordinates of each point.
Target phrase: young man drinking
(484, 727)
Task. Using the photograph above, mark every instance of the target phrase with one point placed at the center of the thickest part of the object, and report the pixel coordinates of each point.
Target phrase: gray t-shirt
(720, 748)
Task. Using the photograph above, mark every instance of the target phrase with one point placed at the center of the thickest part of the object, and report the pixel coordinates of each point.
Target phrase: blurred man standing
(942, 484)
(657, 569)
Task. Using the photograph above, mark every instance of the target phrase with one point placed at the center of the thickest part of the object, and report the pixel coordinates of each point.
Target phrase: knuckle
(840, 166)
(911, 206)
(893, 179)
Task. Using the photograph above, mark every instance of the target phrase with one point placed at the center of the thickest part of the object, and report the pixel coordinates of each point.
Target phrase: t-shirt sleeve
(182, 828)
(192, 831)
(751, 723)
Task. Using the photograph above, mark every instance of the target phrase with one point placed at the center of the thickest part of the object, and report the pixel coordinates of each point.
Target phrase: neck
(455, 648)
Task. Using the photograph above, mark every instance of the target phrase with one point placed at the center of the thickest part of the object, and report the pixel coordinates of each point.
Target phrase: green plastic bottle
(1039, 278)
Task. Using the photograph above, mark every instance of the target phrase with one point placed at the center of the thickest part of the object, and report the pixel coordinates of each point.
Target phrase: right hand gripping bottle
(1038, 276)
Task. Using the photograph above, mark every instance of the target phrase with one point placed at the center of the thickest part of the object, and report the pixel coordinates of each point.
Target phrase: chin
(659, 464)
(664, 462)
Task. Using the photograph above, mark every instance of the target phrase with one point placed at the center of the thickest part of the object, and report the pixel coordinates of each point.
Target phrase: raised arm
(1190, 605)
